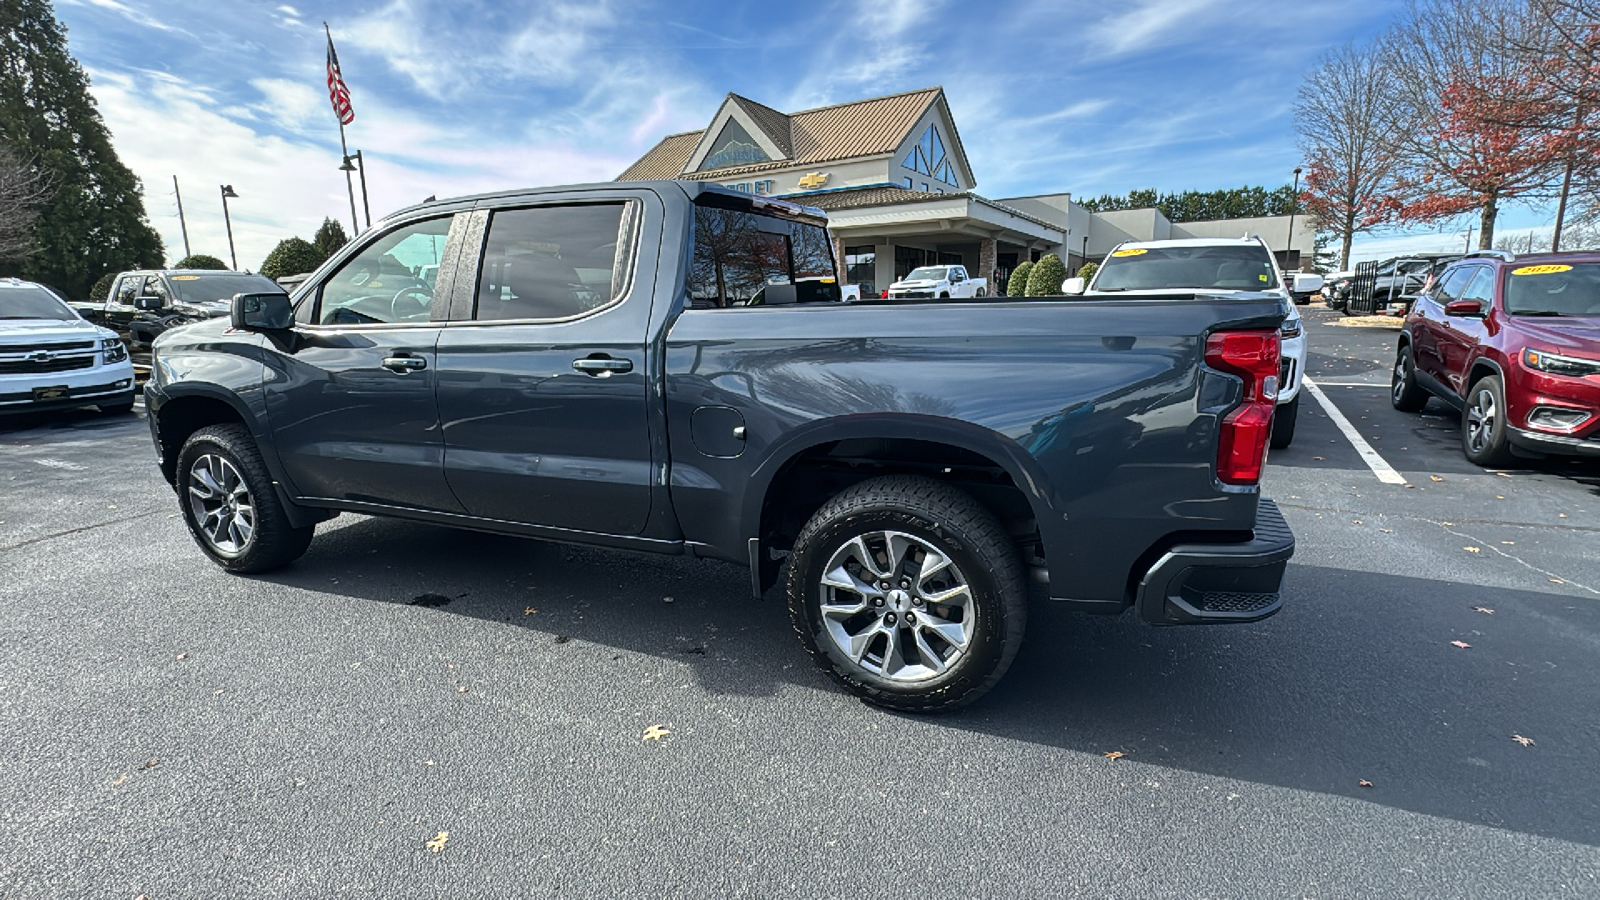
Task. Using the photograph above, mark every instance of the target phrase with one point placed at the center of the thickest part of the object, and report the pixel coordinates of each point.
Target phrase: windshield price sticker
(1131, 251)
(186, 278)
(1540, 270)
(1263, 278)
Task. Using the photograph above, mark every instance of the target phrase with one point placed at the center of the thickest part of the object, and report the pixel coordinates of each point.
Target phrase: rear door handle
(601, 366)
(404, 364)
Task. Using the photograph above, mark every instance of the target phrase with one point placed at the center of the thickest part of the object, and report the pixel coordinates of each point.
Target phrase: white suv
(50, 358)
(1213, 266)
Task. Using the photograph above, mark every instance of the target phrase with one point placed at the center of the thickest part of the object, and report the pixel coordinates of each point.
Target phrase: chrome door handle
(602, 366)
(404, 364)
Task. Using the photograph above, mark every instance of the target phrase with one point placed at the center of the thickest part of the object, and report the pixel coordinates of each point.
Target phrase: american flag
(338, 94)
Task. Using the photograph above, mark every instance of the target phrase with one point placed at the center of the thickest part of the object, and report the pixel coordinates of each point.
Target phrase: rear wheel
(981, 293)
(1404, 392)
(229, 503)
(909, 593)
(1484, 434)
(1283, 419)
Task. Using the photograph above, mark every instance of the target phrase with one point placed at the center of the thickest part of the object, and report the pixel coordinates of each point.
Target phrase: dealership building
(899, 192)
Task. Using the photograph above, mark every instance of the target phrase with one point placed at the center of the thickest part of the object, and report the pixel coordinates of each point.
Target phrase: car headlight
(1290, 329)
(113, 348)
(1556, 364)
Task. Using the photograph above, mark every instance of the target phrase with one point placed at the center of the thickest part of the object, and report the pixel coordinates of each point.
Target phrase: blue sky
(472, 95)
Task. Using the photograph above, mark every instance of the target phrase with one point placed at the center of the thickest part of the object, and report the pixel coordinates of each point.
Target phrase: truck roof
(1193, 242)
(692, 189)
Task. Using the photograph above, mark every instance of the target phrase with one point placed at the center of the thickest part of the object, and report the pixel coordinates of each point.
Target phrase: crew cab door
(119, 311)
(1459, 335)
(350, 391)
(544, 388)
(1427, 353)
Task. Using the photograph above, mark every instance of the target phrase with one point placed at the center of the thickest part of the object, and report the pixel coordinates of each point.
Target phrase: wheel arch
(181, 415)
(1481, 367)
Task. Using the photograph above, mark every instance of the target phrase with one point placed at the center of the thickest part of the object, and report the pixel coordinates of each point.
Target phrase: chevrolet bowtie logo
(40, 356)
(814, 180)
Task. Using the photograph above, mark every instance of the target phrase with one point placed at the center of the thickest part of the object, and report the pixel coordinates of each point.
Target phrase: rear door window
(746, 258)
(551, 263)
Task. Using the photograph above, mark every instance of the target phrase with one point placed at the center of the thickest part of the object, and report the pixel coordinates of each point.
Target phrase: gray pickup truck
(667, 366)
(143, 304)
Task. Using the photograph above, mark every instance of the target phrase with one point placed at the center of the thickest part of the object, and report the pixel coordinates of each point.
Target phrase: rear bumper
(1194, 584)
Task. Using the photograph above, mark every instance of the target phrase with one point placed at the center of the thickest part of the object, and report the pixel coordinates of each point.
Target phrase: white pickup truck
(938, 282)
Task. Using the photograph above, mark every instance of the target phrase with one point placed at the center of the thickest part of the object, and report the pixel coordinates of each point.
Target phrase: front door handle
(404, 364)
(602, 366)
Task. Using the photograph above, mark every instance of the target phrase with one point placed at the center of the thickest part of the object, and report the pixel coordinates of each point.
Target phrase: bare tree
(1346, 133)
(22, 191)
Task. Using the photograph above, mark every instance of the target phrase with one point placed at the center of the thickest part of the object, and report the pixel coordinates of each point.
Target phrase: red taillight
(1242, 443)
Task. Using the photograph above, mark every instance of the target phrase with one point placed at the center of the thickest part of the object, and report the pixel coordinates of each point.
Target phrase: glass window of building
(861, 267)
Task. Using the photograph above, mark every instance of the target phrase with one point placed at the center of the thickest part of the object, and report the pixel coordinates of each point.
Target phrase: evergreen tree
(329, 238)
(200, 261)
(94, 220)
(1018, 285)
(292, 256)
(1047, 275)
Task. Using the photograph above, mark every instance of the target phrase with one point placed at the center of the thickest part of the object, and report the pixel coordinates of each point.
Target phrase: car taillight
(1242, 442)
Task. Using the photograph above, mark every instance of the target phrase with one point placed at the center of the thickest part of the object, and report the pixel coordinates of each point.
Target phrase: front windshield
(1553, 290)
(33, 303)
(200, 288)
(1235, 268)
(927, 273)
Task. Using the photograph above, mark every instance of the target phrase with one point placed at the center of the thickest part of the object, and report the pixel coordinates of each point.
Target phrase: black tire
(272, 541)
(936, 516)
(1485, 439)
(118, 408)
(981, 293)
(945, 295)
(1404, 392)
(1283, 419)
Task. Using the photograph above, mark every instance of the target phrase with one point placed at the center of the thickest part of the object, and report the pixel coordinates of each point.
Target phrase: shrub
(292, 256)
(1087, 270)
(1046, 277)
(200, 261)
(102, 288)
(1018, 285)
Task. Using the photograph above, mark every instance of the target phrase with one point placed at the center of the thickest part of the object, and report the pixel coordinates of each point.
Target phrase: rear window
(1238, 268)
(205, 288)
(745, 258)
(33, 302)
(1553, 289)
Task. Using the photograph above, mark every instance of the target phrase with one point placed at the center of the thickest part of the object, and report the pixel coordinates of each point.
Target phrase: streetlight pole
(360, 166)
(184, 226)
(1294, 204)
(227, 191)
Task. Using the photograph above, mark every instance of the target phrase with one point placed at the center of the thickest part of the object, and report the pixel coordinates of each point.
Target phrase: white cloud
(137, 16)
(1146, 25)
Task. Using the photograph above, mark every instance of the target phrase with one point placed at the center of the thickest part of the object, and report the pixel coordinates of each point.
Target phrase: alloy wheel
(1481, 415)
(220, 504)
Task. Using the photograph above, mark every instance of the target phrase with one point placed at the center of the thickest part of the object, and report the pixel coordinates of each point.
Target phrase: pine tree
(1047, 275)
(94, 220)
(1018, 285)
(329, 238)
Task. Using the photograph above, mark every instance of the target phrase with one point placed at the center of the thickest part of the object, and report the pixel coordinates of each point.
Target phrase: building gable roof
(872, 127)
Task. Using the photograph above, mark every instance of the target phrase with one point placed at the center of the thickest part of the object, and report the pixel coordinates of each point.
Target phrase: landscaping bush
(1086, 272)
(200, 261)
(292, 256)
(102, 287)
(1046, 277)
(1018, 285)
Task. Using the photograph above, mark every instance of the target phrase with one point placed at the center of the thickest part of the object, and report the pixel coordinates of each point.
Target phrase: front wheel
(909, 593)
(230, 506)
(1283, 419)
(1484, 433)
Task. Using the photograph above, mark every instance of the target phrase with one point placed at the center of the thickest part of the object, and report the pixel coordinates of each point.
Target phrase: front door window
(390, 281)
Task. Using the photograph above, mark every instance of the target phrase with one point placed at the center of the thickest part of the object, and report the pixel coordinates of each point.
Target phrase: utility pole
(182, 225)
(1468, 247)
(1294, 204)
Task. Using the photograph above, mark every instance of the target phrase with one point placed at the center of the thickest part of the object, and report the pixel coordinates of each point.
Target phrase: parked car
(1403, 277)
(143, 304)
(51, 358)
(1336, 287)
(913, 465)
(938, 283)
(1207, 267)
(1514, 343)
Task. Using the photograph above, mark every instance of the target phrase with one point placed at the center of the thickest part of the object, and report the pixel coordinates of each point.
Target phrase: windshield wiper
(1538, 312)
(1107, 290)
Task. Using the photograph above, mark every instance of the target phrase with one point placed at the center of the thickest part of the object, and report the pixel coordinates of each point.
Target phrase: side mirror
(262, 312)
(147, 303)
(1465, 308)
(1306, 283)
(1072, 286)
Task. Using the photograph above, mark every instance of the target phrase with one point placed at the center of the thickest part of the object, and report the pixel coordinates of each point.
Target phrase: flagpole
(344, 155)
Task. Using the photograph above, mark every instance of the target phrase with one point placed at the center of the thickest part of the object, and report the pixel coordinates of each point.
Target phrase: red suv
(1514, 343)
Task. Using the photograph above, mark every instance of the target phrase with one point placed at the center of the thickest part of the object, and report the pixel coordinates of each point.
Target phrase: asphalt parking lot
(172, 731)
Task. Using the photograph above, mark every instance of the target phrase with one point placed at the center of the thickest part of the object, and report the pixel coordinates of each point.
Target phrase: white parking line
(1371, 384)
(1380, 467)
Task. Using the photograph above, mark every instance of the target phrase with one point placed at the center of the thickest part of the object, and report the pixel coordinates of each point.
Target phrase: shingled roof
(861, 128)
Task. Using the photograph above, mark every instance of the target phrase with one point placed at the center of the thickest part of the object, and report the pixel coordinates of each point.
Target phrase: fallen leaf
(120, 779)
(1526, 742)
(1472, 549)
(1462, 644)
(183, 656)
(1364, 783)
(1562, 515)
(1115, 754)
(656, 733)
(1319, 457)
(1447, 523)
(462, 689)
(150, 763)
(438, 842)
(528, 610)
(1435, 478)
(666, 599)
(1484, 609)
(1356, 521)
(1508, 543)
(1557, 581)
(1387, 530)
(1503, 474)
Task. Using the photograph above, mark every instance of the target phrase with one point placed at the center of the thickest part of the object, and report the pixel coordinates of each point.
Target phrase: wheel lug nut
(905, 583)
(889, 618)
(877, 601)
(884, 585)
(918, 601)
(910, 619)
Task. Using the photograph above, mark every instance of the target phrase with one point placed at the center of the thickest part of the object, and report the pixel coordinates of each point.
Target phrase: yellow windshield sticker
(1540, 270)
(1131, 251)
(374, 284)
(186, 278)
(1263, 278)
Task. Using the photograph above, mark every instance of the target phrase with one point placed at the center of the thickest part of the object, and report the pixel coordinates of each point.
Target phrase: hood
(913, 284)
(194, 332)
(1580, 334)
(32, 331)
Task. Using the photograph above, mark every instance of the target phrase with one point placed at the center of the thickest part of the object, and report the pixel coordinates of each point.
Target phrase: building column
(838, 260)
(987, 248)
